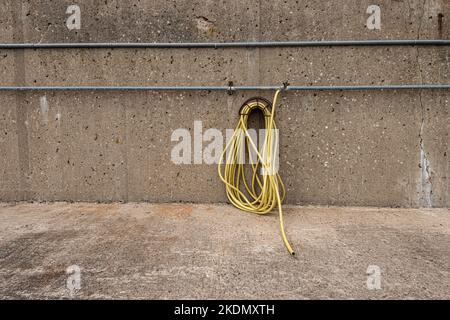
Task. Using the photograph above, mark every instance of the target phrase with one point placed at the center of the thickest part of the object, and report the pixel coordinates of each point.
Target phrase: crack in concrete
(425, 170)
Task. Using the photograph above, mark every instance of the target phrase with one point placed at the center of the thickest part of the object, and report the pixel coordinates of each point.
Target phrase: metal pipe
(215, 45)
(372, 87)
(225, 88)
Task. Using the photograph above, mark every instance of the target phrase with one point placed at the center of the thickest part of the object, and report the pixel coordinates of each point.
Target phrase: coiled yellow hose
(264, 193)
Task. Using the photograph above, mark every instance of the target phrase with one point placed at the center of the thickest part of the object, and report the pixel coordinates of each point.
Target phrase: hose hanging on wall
(266, 189)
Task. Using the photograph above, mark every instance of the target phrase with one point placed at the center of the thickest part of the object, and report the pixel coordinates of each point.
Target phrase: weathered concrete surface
(359, 148)
(216, 251)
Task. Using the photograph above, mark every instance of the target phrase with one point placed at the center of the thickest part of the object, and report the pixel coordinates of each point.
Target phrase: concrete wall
(338, 148)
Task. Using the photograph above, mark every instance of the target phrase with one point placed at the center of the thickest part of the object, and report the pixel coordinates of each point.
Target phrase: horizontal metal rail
(226, 88)
(215, 45)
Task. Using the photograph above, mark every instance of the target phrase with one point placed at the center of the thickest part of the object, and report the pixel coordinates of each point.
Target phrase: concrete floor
(215, 251)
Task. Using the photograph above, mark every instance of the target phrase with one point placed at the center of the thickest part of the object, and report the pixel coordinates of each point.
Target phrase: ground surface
(209, 251)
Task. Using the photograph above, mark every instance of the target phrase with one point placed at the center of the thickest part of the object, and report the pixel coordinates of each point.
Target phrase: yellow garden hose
(263, 194)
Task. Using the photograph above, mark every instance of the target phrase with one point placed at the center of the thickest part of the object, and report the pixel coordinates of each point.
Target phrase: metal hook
(230, 87)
